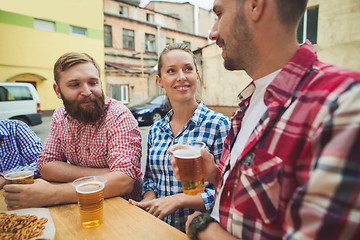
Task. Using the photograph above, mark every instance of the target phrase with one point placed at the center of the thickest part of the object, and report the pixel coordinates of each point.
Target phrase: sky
(206, 4)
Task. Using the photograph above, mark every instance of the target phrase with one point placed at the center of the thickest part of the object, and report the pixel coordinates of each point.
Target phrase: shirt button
(255, 169)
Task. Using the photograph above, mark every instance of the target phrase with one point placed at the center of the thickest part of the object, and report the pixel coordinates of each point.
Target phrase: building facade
(34, 34)
(134, 38)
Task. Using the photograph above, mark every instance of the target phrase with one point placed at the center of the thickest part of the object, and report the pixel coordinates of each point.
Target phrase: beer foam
(19, 175)
(90, 187)
(187, 153)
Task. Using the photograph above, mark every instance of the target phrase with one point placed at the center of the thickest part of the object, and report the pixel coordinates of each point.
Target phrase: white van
(20, 101)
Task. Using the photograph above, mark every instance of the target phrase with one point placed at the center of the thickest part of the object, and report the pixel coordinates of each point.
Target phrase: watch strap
(198, 224)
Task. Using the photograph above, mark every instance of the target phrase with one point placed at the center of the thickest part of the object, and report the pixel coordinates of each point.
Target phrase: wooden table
(121, 221)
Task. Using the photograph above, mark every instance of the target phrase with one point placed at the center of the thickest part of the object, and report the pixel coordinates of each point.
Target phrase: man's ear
(57, 90)
(158, 79)
(257, 9)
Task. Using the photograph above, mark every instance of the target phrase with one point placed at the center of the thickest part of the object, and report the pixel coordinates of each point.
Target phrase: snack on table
(20, 227)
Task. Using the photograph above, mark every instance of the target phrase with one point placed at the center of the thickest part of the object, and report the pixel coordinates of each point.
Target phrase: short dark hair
(70, 59)
(291, 11)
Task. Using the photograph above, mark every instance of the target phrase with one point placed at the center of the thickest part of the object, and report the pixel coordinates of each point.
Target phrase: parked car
(20, 101)
(151, 110)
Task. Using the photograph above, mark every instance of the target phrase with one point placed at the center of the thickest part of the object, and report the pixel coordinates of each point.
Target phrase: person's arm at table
(42, 193)
(39, 194)
(58, 171)
(118, 183)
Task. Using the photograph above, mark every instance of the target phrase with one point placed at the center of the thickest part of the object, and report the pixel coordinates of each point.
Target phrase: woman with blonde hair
(188, 120)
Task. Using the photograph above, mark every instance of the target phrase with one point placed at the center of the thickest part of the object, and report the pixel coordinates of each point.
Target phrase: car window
(15, 93)
(158, 100)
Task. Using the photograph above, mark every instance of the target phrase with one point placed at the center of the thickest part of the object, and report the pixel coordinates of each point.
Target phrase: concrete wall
(28, 54)
(220, 86)
(339, 32)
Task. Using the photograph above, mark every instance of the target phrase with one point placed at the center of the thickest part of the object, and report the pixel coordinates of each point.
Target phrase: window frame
(124, 90)
(108, 34)
(303, 27)
(150, 42)
(123, 11)
(150, 17)
(169, 40)
(187, 43)
(72, 27)
(42, 24)
(128, 38)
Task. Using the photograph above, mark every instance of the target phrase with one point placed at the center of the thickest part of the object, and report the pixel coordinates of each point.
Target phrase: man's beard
(87, 114)
(241, 49)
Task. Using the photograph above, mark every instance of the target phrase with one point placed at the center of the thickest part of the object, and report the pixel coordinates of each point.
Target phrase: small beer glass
(20, 177)
(189, 161)
(90, 192)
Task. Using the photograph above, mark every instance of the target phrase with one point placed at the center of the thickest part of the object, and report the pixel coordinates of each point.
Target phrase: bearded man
(90, 135)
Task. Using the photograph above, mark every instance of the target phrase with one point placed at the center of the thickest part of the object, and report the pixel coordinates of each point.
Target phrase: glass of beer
(189, 161)
(90, 192)
(20, 177)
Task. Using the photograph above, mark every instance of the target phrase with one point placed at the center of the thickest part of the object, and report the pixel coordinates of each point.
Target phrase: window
(107, 36)
(79, 31)
(308, 26)
(169, 40)
(44, 25)
(128, 38)
(150, 42)
(15, 93)
(187, 43)
(120, 93)
(150, 17)
(123, 11)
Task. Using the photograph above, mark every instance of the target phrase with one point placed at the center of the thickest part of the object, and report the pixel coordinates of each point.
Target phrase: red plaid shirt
(113, 142)
(300, 180)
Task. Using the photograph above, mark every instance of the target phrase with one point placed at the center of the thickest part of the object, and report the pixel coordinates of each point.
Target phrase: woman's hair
(70, 59)
(177, 46)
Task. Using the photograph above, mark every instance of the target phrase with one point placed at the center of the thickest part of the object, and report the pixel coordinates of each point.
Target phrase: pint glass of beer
(90, 192)
(188, 159)
(20, 177)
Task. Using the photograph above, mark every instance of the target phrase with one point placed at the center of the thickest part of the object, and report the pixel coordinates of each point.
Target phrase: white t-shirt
(251, 118)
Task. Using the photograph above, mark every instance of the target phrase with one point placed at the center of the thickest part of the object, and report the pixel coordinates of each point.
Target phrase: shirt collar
(196, 118)
(284, 84)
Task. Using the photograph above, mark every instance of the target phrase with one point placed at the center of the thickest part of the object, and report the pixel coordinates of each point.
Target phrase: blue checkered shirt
(206, 126)
(19, 147)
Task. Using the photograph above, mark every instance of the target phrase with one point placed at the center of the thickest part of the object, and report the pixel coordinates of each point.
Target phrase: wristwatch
(198, 224)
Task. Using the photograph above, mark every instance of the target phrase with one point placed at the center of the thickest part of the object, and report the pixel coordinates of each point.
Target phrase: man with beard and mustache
(90, 135)
(290, 167)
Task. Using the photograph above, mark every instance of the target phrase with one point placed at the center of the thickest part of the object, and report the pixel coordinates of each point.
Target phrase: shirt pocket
(98, 155)
(258, 190)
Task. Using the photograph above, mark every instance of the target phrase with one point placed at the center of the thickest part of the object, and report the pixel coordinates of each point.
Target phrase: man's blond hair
(69, 60)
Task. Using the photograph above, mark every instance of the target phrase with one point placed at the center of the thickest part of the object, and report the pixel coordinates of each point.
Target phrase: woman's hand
(160, 207)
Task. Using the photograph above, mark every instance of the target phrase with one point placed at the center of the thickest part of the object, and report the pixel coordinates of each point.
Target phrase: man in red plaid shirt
(90, 135)
(290, 168)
